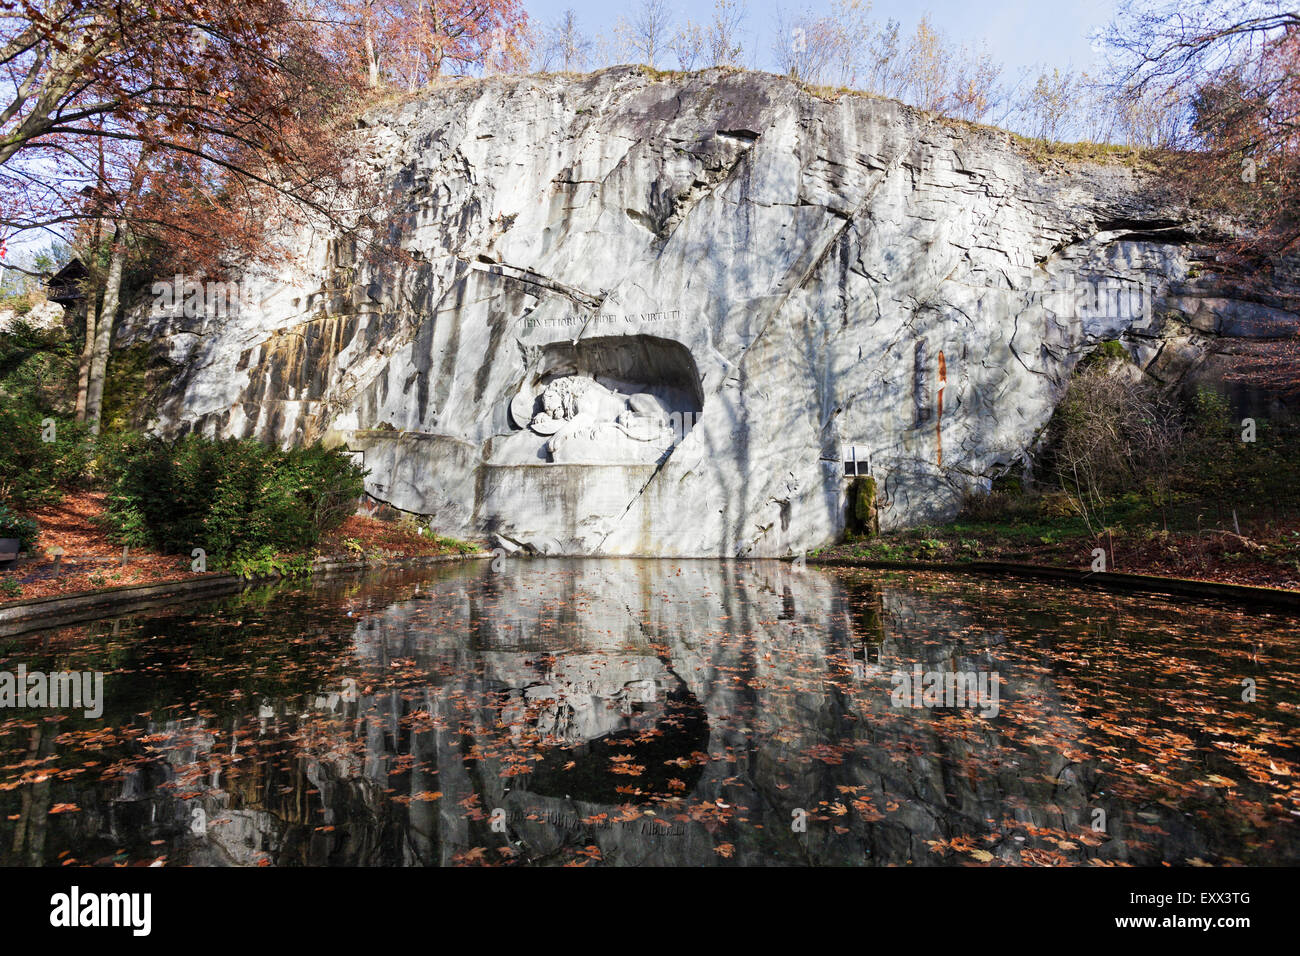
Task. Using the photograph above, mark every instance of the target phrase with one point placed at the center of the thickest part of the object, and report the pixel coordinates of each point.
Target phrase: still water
(622, 712)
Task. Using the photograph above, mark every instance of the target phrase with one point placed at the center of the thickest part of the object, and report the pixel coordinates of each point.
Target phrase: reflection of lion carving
(585, 697)
(590, 712)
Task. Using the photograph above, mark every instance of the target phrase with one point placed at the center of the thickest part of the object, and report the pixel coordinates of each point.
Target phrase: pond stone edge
(1105, 580)
(45, 612)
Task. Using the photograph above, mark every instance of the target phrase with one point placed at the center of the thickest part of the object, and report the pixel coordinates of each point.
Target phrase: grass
(1214, 505)
(456, 546)
(1184, 540)
(1106, 154)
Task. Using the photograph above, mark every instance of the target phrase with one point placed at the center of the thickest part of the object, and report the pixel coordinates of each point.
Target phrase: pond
(626, 712)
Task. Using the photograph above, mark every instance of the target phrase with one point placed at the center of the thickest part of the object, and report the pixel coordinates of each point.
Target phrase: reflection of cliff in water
(651, 713)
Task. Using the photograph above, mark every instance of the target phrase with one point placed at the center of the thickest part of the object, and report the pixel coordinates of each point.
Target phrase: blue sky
(1019, 33)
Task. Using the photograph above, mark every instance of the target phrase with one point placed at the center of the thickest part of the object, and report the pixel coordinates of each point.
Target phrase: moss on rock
(863, 516)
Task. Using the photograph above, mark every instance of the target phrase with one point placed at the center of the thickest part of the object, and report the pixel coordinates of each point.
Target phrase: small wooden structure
(66, 286)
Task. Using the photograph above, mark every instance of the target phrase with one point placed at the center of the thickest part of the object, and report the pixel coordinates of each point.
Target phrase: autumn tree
(845, 48)
(1096, 118)
(1148, 118)
(800, 46)
(1048, 105)
(1229, 72)
(928, 67)
(1111, 433)
(885, 68)
(179, 120)
(410, 43)
(975, 86)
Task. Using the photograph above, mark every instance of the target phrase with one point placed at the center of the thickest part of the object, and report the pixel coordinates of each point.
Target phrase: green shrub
(238, 500)
(456, 545)
(156, 498)
(14, 525)
(267, 561)
(36, 471)
(1113, 433)
(32, 357)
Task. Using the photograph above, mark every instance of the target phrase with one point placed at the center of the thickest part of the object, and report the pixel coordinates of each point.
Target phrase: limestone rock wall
(760, 281)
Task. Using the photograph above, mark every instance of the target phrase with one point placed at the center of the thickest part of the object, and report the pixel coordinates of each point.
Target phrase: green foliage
(35, 368)
(241, 501)
(456, 545)
(1248, 476)
(10, 587)
(1107, 352)
(1113, 433)
(266, 561)
(14, 525)
(52, 257)
(1124, 456)
(37, 471)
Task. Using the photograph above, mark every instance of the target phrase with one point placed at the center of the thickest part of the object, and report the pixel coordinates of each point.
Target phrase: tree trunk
(372, 58)
(435, 56)
(104, 329)
(87, 352)
(91, 287)
(112, 298)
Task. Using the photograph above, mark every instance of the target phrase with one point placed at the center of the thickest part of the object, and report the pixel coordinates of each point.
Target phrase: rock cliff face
(653, 315)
